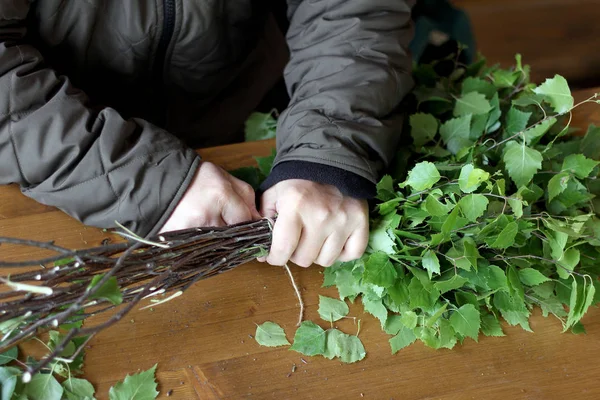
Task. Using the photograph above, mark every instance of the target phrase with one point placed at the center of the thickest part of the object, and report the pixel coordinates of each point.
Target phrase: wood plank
(554, 36)
(201, 341)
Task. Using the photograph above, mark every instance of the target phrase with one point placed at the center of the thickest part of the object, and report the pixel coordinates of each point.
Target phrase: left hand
(316, 224)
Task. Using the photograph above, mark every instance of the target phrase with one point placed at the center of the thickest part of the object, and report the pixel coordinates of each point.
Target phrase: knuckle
(321, 213)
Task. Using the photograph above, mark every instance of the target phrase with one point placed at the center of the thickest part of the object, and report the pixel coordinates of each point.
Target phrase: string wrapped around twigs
(74, 285)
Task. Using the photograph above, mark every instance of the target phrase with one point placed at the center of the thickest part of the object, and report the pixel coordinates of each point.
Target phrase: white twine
(271, 223)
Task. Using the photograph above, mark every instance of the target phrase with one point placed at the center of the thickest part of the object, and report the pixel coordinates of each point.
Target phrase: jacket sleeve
(89, 162)
(349, 69)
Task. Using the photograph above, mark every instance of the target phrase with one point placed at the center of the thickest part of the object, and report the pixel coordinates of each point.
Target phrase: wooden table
(201, 340)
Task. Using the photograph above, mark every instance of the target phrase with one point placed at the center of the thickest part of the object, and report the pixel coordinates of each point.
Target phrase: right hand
(213, 198)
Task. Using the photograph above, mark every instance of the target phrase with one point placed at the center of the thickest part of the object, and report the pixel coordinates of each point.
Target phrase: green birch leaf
(385, 188)
(435, 317)
(568, 261)
(582, 296)
(514, 283)
(250, 175)
(381, 238)
(544, 290)
(409, 319)
(556, 92)
(521, 162)
(419, 296)
(376, 308)
(456, 282)
(310, 339)
(109, 290)
(478, 124)
(473, 206)
(423, 176)
(9, 355)
(435, 207)
(470, 178)
(513, 310)
(456, 133)
(43, 387)
(470, 251)
(579, 165)
(260, 126)
(431, 263)
(578, 329)
(78, 389)
(557, 185)
(55, 338)
(140, 386)
(331, 343)
(516, 121)
(590, 145)
(399, 292)
(532, 277)
(471, 104)
(8, 382)
(473, 84)
(518, 318)
(495, 277)
(493, 120)
(270, 334)
(528, 99)
(347, 285)
(517, 207)
(504, 78)
(446, 335)
(329, 276)
(538, 130)
(551, 305)
(576, 193)
(332, 309)
(451, 223)
(349, 348)
(506, 238)
(457, 257)
(393, 324)
(575, 303)
(379, 270)
(490, 326)
(423, 128)
(265, 164)
(466, 320)
(404, 338)
(557, 241)
(64, 261)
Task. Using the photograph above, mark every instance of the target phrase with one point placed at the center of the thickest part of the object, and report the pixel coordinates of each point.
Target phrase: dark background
(553, 36)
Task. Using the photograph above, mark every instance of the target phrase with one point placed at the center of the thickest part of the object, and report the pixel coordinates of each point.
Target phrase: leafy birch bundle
(75, 285)
(496, 215)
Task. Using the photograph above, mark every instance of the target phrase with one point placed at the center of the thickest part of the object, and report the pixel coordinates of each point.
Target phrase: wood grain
(554, 36)
(203, 344)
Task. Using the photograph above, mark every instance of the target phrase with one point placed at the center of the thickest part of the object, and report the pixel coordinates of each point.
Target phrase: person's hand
(316, 224)
(213, 198)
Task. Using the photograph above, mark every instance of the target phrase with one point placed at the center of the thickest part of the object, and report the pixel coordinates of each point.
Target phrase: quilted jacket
(100, 99)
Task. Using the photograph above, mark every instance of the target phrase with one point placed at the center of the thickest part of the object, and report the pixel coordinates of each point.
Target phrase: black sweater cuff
(348, 183)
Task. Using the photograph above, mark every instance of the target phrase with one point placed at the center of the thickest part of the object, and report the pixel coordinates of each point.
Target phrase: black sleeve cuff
(348, 183)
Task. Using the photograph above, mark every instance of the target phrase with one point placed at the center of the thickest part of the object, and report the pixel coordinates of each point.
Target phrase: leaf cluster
(493, 215)
(312, 340)
(57, 381)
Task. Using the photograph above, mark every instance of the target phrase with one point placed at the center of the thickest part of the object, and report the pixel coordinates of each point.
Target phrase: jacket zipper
(165, 39)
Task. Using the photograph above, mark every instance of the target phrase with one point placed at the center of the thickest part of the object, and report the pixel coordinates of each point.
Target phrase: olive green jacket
(99, 99)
